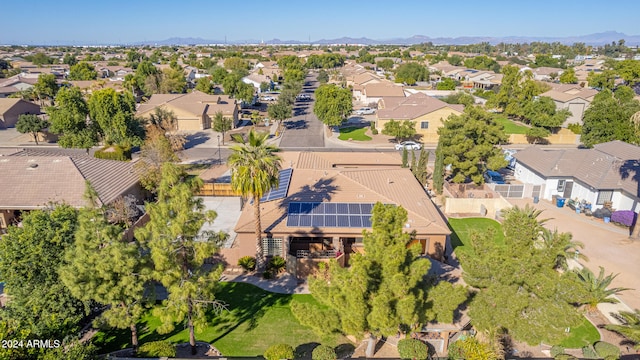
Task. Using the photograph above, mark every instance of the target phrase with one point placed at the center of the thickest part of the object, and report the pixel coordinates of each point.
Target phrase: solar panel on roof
(293, 220)
(366, 221)
(294, 208)
(366, 208)
(354, 209)
(330, 208)
(318, 214)
(355, 221)
(317, 221)
(305, 220)
(330, 221)
(284, 178)
(305, 208)
(343, 221)
(343, 208)
(317, 209)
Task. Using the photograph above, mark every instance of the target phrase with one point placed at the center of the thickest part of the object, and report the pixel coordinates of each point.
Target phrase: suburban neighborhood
(325, 199)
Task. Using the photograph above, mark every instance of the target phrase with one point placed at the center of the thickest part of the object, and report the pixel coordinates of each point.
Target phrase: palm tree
(563, 246)
(631, 327)
(596, 291)
(254, 171)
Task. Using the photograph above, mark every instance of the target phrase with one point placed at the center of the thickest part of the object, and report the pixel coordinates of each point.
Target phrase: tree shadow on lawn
(304, 351)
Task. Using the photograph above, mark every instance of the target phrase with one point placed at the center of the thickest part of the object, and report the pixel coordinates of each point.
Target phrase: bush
(267, 275)
(624, 217)
(372, 124)
(374, 131)
(588, 352)
(565, 357)
(279, 351)
(455, 351)
(113, 152)
(607, 350)
(157, 349)
(413, 349)
(575, 128)
(556, 350)
(248, 263)
(324, 352)
(276, 264)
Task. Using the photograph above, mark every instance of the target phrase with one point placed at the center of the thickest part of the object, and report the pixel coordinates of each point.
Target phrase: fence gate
(510, 190)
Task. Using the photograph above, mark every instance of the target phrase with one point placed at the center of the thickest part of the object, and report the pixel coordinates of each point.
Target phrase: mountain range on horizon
(595, 39)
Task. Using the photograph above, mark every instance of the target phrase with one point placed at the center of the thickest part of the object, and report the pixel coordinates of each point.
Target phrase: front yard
(354, 133)
(256, 319)
(510, 127)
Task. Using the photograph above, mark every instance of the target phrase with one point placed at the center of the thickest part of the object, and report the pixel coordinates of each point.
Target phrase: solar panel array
(317, 214)
(283, 186)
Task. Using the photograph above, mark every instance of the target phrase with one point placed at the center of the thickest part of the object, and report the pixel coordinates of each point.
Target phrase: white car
(268, 98)
(409, 145)
(365, 111)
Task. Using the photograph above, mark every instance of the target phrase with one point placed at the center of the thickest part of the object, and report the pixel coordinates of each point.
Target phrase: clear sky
(118, 21)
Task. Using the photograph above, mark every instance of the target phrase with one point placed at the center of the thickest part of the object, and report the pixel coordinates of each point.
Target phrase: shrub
(153, 349)
(588, 352)
(556, 350)
(267, 274)
(624, 217)
(248, 263)
(372, 124)
(279, 351)
(413, 349)
(607, 350)
(113, 152)
(374, 131)
(324, 352)
(575, 128)
(565, 357)
(276, 264)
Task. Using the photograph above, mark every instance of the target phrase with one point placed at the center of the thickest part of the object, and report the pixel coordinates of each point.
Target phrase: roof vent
(33, 165)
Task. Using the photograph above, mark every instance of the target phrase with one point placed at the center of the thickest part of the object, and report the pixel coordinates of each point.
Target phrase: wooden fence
(216, 189)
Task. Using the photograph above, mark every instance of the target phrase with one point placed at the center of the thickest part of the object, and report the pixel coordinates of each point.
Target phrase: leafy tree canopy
(609, 118)
(333, 104)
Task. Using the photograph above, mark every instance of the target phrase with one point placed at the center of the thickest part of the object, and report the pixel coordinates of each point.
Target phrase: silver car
(409, 145)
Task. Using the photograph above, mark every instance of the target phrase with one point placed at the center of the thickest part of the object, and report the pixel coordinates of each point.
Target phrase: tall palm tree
(596, 291)
(631, 327)
(563, 245)
(254, 171)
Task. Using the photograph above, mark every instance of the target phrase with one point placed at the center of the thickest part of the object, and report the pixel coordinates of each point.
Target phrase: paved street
(304, 130)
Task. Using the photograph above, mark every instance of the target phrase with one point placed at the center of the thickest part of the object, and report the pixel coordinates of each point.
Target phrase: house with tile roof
(326, 203)
(427, 113)
(572, 97)
(33, 178)
(372, 92)
(608, 172)
(194, 110)
(12, 108)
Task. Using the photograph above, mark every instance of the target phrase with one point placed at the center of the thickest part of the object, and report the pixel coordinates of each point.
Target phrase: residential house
(12, 108)
(574, 98)
(113, 72)
(255, 79)
(34, 178)
(545, 73)
(608, 172)
(194, 110)
(324, 203)
(372, 93)
(16, 84)
(428, 113)
(589, 65)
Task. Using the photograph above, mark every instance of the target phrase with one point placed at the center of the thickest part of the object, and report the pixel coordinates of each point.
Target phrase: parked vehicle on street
(365, 111)
(303, 97)
(409, 145)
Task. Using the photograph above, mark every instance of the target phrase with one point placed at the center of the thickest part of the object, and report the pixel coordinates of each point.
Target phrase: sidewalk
(284, 284)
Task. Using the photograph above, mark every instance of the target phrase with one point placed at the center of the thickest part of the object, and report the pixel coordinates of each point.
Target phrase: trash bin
(536, 199)
(606, 219)
(560, 202)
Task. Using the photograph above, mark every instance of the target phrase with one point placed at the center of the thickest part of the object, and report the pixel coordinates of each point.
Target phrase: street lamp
(219, 155)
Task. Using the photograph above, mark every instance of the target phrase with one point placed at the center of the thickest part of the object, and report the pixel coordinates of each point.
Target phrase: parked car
(268, 98)
(493, 177)
(303, 97)
(409, 145)
(365, 111)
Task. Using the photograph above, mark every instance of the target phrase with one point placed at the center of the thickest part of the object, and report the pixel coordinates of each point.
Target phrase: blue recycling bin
(560, 202)
(536, 199)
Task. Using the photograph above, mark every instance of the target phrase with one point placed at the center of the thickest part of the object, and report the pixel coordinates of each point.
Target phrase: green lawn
(581, 335)
(357, 134)
(256, 319)
(461, 231)
(510, 127)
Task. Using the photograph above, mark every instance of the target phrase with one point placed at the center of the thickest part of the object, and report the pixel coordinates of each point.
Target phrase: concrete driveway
(606, 245)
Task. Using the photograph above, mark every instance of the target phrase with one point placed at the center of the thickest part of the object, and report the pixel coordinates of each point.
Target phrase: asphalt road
(304, 130)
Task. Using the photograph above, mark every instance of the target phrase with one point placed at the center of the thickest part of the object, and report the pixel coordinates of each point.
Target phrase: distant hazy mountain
(596, 39)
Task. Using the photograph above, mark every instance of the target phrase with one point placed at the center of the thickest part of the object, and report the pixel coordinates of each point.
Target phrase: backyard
(510, 127)
(354, 133)
(255, 320)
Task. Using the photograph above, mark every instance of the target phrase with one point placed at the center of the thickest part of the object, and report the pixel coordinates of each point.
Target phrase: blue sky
(116, 21)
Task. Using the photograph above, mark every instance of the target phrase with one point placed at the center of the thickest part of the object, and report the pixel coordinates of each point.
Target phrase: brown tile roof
(383, 89)
(196, 102)
(7, 103)
(570, 94)
(619, 149)
(411, 107)
(386, 183)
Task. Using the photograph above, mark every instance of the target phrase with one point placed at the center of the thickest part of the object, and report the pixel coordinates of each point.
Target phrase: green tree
(31, 124)
(400, 130)
(420, 171)
(46, 87)
(218, 74)
(405, 160)
(31, 257)
(413, 349)
(114, 113)
(236, 64)
(155, 151)
(608, 118)
(264, 86)
(630, 327)
(323, 77)
(82, 71)
(172, 81)
(333, 104)
(204, 84)
(596, 288)
(518, 287)
(469, 143)
(39, 59)
(222, 124)
(69, 118)
(460, 97)
(455, 60)
(69, 59)
(602, 80)
(563, 246)
(254, 171)
(383, 291)
(471, 348)
(386, 64)
(482, 63)
(178, 251)
(542, 112)
(102, 267)
(446, 84)
(629, 70)
(569, 77)
(411, 72)
(279, 110)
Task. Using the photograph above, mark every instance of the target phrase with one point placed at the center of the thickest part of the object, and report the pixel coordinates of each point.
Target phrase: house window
(604, 196)
(271, 247)
(561, 184)
(424, 125)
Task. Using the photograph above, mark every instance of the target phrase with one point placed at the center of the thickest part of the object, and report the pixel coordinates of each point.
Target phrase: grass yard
(354, 133)
(581, 335)
(256, 319)
(510, 127)
(461, 230)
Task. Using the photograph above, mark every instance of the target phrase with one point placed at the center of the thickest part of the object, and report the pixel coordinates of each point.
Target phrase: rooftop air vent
(33, 166)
